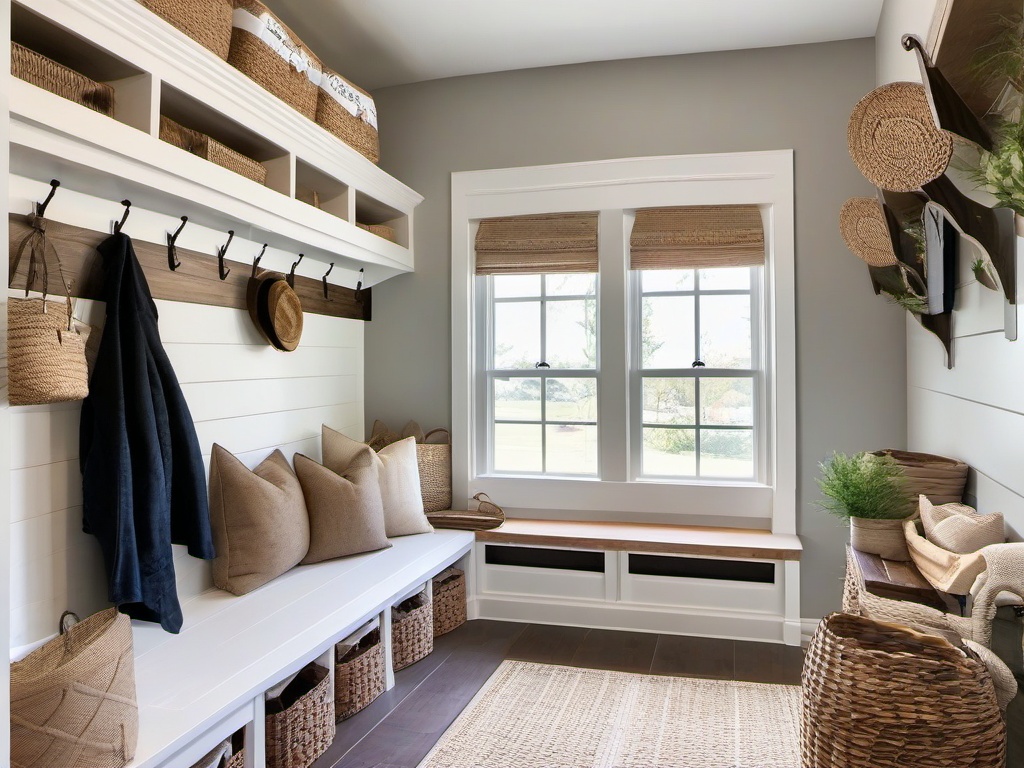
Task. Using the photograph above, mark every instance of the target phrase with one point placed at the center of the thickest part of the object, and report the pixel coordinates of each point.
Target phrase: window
(615, 369)
(696, 382)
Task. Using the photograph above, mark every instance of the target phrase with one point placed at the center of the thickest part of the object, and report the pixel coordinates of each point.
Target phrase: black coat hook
(359, 286)
(172, 251)
(291, 275)
(127, 209)
(220, 256)
(324, 278)
(41, 207)
(256, 261)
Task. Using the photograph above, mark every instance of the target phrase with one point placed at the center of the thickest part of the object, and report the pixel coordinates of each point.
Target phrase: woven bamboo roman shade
(697, 237)
(555, 242)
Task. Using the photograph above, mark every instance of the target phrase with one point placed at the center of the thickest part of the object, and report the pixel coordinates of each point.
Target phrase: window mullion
(614, 369)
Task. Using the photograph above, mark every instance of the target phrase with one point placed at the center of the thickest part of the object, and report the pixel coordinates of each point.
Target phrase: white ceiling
(378, 43)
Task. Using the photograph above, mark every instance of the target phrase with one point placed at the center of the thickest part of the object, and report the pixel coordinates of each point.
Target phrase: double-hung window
(623, 339)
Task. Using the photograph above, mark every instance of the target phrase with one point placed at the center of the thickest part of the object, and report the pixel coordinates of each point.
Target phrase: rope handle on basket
(37, 243)
(436, 430)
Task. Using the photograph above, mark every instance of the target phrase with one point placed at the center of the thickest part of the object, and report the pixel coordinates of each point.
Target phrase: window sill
(653, 501)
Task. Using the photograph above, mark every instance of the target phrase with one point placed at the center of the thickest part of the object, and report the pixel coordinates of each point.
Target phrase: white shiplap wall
(975, 411)
(242, 394)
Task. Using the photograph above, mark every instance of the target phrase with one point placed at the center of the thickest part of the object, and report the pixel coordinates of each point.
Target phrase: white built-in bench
(197, 688)
(695, 580)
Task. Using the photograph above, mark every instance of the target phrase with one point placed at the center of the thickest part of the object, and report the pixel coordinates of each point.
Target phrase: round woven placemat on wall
(893, 138)
(864, 229)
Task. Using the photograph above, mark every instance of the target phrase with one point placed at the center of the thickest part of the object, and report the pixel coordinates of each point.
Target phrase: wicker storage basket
(380, 230)
(358, 675)
(203, 146)
(270, 54)
(941, 479)
(35, 68)
(880, 695)
(412, 630)
(434, 460)
(449, 593)
(208, 22)
(73, 700)
(347, 111)
(300, 723)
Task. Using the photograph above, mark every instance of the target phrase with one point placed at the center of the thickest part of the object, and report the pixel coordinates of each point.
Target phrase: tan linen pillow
(959, 528)
(259, 521)
(346, 515)
(397, 472)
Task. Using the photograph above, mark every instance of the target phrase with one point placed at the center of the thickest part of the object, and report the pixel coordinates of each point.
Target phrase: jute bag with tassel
(73, 700)
(45, 347)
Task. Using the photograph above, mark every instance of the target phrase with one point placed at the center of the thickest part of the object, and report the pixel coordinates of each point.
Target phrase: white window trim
(762, 178)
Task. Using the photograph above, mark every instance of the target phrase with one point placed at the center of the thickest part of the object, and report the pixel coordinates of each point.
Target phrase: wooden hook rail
(196, 281)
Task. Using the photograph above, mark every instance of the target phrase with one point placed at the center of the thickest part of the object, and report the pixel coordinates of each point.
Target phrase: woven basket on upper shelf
(380, 230)
(879, 695)
(35, 68)
(268, 68)
(208, 22)
(412, 630)
(303, 727)
(203, 146)
(939, 478)
(354, 130)
(358, 675)
(449, 589)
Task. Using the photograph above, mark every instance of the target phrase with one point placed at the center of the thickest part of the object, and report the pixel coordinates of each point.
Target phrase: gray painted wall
(851, 345)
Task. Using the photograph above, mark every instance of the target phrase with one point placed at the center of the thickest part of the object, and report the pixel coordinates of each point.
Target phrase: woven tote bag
(435, 464)
(73, 700)
(45, 346)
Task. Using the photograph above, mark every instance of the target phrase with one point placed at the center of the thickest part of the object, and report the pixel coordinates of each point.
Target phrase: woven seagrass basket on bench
(300, 723)
(449, 588)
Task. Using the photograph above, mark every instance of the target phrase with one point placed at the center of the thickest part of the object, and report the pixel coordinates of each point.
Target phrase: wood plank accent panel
(196, 281)
(643, 537)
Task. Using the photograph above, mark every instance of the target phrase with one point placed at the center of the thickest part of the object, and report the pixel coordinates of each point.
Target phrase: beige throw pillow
(959, 528)
(346, 515)
(398, 474)
(259, 521)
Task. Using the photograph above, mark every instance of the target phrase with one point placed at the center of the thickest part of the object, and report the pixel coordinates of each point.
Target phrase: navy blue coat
(143, 479)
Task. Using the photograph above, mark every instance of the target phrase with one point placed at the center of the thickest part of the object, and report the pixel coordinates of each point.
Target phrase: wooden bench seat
(643, 537)
(196, 688)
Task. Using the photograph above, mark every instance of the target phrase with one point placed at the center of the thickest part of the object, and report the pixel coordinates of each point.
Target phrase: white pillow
(399, 477)
(959, 528)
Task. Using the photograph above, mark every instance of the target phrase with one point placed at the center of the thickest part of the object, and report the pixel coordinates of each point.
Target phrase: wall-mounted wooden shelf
(196, 281)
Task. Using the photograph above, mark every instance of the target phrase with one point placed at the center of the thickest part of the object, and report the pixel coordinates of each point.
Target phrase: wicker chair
(879, 695)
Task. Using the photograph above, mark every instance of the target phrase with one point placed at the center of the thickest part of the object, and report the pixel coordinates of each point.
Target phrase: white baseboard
(633, 617)
(807, 628)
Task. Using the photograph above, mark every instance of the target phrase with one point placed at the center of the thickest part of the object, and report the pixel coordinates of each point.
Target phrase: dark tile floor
(401, 726)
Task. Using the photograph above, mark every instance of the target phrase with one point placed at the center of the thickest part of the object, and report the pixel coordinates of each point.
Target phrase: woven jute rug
(544, 716)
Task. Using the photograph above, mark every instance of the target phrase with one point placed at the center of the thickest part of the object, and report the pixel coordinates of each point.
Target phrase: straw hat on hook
(865, 231)
(893, 138)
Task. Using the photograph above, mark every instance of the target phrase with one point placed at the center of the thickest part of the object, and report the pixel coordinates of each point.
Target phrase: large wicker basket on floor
(293, 79)
(356, 130)
(203, 146)
(879, 695)
(412, 630)
(35, 68)
(302, 728)
(359, 675)
(208, 22)
(449, 589)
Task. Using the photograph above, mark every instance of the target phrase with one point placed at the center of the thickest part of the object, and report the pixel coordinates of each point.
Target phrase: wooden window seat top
(746, 543)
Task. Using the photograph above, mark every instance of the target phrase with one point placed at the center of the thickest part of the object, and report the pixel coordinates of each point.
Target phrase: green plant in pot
(868, 490)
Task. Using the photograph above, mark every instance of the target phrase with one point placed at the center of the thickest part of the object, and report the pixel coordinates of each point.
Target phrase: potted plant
(982, 274)
(868, 490)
